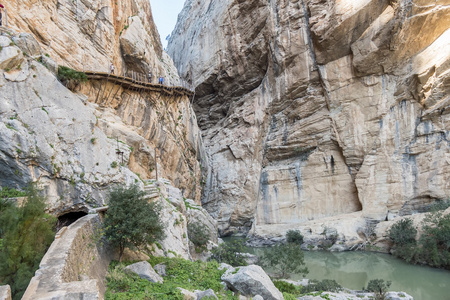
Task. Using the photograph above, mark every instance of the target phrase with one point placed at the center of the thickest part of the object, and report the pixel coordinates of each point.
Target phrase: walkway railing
(139, 81)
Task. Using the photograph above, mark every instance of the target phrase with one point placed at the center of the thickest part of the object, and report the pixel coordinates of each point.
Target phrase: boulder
(398, 296)
(19, 73)
(353, 295)
(51, 65)
(187, 295)
(252, 280)
(209, 294)
(28, 44)
(5, 292)
(160, 269)
(145, 271)
(10, 57)
(5, 41)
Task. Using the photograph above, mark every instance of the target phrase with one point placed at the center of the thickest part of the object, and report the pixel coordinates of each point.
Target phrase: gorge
(330, 117)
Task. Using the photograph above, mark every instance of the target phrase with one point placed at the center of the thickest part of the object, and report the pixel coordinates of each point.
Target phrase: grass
(180, 273)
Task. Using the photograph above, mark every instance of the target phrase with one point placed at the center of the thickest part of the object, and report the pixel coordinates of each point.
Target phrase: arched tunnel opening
(69, 218)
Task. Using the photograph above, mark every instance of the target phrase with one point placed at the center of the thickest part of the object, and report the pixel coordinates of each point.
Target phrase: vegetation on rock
(198, 234)
(182, 273)
(230, 253)
(131, 221)
(294, 236)
(433, 246)
(27, 232)
(378, 287)
(70, 78)
(285, 259)
(11, 193)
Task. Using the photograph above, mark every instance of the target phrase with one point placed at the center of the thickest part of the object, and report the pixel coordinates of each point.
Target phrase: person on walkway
(1, 16)
(161, 80)
(112, 68)
(150, 77)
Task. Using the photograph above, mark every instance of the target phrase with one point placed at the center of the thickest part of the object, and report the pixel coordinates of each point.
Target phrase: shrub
(402, 232)
(328, 285)
(439, 205)
(182, 273)
(435, 241)
(403, 235)
(229, 253)
(294, 236)
(286, 287)
(198, 234)
(285, 259)
(71, 78)
(11, 193)
(27, 232)
(131, 221)
(379, 288)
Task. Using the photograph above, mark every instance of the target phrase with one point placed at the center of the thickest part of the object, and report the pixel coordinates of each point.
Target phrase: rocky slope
(315, 109)
(76, 144)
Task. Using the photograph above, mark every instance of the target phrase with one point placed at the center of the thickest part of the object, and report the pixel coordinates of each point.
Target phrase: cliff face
(92, 34)
(77, 144)
(317, 108)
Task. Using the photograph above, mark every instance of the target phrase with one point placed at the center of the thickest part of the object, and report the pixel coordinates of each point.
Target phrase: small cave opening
(69, 218)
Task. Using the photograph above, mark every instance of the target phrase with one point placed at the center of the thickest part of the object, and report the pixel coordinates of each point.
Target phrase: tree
(294, 236)
(230, 253)
(131, 221)
(27, 232)
(285, 259)
(198, 234)
(379, 288)
(403, 235)
(435, 240)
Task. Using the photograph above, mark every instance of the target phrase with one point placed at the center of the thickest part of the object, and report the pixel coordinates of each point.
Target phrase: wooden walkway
(132, 84)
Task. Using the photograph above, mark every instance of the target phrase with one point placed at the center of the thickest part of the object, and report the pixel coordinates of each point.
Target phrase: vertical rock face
(92, 34)
(77, 144)
(316, 108)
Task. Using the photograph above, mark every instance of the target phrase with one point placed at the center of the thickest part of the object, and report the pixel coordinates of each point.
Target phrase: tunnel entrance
(69, 218)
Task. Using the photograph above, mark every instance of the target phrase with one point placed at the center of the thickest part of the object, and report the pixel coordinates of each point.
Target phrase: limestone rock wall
(315, 108)
(92, 34)
(76, 145)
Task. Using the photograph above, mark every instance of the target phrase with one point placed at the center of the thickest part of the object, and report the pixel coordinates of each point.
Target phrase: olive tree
(132, 221)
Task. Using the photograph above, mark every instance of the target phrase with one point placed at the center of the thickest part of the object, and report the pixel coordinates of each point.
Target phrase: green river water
(354, 269)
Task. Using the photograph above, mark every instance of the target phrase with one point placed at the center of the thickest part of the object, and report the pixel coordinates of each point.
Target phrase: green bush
(403, 232)
(131, 221)
(439, 205)
(286, 287)
(403, 235)
(435, 241)
(328, 285)
(198, 234)
(433, 247)
(378, 287)
(285, 259)
(294, 236)
(182, 273)
(229, 253)
(27, 232)
(7, 192)
(70, 78)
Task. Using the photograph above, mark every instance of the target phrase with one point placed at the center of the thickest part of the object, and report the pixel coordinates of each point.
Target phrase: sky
(165, 13)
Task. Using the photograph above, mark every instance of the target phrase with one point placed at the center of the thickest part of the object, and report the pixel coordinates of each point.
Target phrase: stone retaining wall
(75, 265)
(5, 292)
